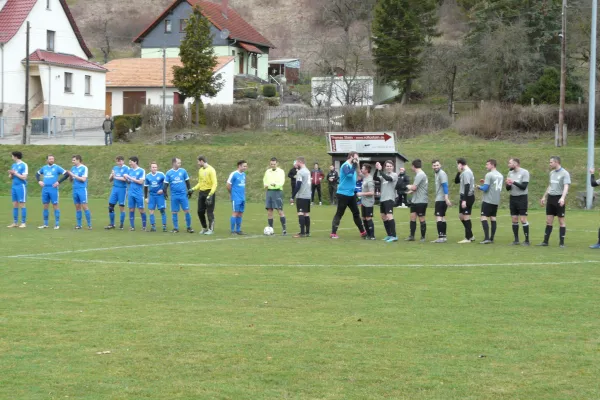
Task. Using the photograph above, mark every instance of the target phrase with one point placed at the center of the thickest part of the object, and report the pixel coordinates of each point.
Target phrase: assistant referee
(206, 187)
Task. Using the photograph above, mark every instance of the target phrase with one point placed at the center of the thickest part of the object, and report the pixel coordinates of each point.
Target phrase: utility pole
(26, 121)
(164, 101)
(592, 107)
(563, 75)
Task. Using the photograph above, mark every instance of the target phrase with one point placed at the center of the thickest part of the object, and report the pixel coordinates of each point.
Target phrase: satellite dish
(224, 34)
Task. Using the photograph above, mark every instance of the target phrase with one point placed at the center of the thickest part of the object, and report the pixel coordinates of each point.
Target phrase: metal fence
(304, 119)
(54, 126)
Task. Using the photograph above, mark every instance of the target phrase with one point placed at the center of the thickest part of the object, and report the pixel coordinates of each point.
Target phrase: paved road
(81, 138)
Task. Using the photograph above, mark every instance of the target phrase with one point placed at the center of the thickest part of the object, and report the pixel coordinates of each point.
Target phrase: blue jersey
(136, 189)
(50, 174)
(177, 179)
(237, 180)
(347, 179)
(154, 182)
(81, 171)
(21, 168)
(119, 172)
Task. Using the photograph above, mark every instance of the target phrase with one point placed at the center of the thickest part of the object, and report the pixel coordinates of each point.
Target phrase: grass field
(193, 317)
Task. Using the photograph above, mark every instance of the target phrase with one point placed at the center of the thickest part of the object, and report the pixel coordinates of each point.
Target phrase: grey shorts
(274, 200)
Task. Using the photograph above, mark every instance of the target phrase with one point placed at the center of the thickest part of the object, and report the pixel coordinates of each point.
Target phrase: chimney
(224, 7)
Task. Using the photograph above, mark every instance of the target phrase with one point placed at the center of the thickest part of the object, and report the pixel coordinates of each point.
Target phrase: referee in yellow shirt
(273, 181)
(206, 187)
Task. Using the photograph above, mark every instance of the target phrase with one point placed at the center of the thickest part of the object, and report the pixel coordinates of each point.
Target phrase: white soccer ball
(268, 231)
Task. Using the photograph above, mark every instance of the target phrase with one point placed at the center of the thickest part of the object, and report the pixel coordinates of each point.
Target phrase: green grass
(192, 317)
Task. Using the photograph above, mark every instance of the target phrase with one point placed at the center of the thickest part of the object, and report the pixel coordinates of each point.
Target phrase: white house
(62, 80)
(132, 83)
(338, 91)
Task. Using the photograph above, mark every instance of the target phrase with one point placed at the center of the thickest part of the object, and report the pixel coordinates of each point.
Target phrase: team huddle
(137, 190)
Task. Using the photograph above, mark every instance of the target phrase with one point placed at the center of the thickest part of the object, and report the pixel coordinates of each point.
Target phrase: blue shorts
(238, 206)
(179, 202)
(80, 196)
(117, 196)
(135, 201)
(19, 193)
(49, 195)
(156, 201)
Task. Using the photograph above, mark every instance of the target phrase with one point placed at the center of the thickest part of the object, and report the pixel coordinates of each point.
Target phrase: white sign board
(363, 142)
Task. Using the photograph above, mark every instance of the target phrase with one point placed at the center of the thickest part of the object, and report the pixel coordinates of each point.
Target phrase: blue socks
(232, 221)
(78, 217)
(175, 221)
(152, 220)
(46, 213)
(238, 224)
(132, 218)
(57, 217)
(111, 216)
(88, 217)
(122, 217)
(15, 215)
(23, 214)
(188, 220)
(163, 215)
(143, 220)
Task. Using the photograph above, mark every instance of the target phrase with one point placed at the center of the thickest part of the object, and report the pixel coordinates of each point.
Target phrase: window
(50, 40)
(88, 84)
(167, 26)
(254, 61)
(47, 4)
(68, 82)
(182, 25)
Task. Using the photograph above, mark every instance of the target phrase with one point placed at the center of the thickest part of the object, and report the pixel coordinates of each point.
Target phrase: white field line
(222, 265)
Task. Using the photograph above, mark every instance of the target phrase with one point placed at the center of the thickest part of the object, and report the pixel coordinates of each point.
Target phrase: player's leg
(185, 205)
(270, 217)
(240, 213)
(525, 225)
(549, 227)
(131, 206)
(514, 215)
(175, 205)
(356, 216)
(122, 197)
(87, 213)
(421, 213)
(45, 205)
(202, 211)
(161, 204)
(563, 230)
(307, 222)
(493, 225)
(210, 214)
(282, 218)
(15, 204)
(342, 203)
(151, 208)
(142, 209)
(56, 215)
(23, 205)
(412, 223)
(391, 222)
(112, 201)
(364, 216)
(232, 220)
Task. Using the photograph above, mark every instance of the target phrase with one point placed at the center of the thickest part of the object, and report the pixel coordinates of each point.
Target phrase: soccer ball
(268, 231)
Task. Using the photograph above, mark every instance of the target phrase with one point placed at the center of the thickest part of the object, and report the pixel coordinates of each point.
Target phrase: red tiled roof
(67, 60)
(147, 72)
(250, 48)
(14, 13)
(238, 28)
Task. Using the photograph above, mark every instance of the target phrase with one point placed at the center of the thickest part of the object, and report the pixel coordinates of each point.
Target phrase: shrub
(546, 89)
(151, 115)
(125, 123)
(251, 93)
(239, 94)
(201, 113)
(235, 116)
(121, 130)
(271, 101)
(269, 90)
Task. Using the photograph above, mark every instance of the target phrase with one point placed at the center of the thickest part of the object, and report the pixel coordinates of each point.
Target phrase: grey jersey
(388, 188)
(494, 180)
(422, 184)
(368, 185)
(440, 178)
(558, 180)
(519, 177)
(303, 176)
(467, 178)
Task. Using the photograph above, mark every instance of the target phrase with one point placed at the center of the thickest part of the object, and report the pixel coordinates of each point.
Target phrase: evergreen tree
(401, 30)
(196, 77)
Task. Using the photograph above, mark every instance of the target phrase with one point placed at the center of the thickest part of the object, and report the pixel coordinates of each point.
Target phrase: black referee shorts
(519, 205)
(553, 208)
(489, 210)
(469, 208)
(440, 208)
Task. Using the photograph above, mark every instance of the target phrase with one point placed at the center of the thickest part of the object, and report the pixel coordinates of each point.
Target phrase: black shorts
(440, 208)
(553, 208)
(467, 210)
(489, 210)
(367, 212)
(519, 205)
(419, 208)
(303, 205)
(387, 207)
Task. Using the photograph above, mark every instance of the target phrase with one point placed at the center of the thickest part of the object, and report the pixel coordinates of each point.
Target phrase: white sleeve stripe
(85, 172)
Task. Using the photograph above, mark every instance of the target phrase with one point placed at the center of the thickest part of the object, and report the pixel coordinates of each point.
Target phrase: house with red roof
(62, 79)
(232, 36)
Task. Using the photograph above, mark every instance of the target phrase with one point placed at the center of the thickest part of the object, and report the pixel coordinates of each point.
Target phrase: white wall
(53, 84)
(225, 95)
(40, 20)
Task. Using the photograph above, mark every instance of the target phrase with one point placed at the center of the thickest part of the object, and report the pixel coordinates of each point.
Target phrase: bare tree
(443, 63)
(101, 29)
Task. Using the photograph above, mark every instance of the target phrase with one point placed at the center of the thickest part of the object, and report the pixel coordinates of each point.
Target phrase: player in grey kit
(367, 197)
(516, 184)
(492, 189)
(419, 201)
(555, 198)
(466, 179)
(442, 201)
(387, 200)
(302, 194)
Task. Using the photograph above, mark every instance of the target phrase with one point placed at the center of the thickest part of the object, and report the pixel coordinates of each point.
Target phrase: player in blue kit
(236, 185)
(179, 180)
(118, 192)
(47, 177)
(155, 196)
(18, 174)
(79, 175)
(135, 198)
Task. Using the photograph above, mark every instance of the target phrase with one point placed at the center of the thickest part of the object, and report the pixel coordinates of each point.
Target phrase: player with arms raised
(442, 201)
(118, 192)
(47, 178)
(18, 175)
(179, 180)
(155, 196)
(236, 185)
(492, 189)
(388, 179)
